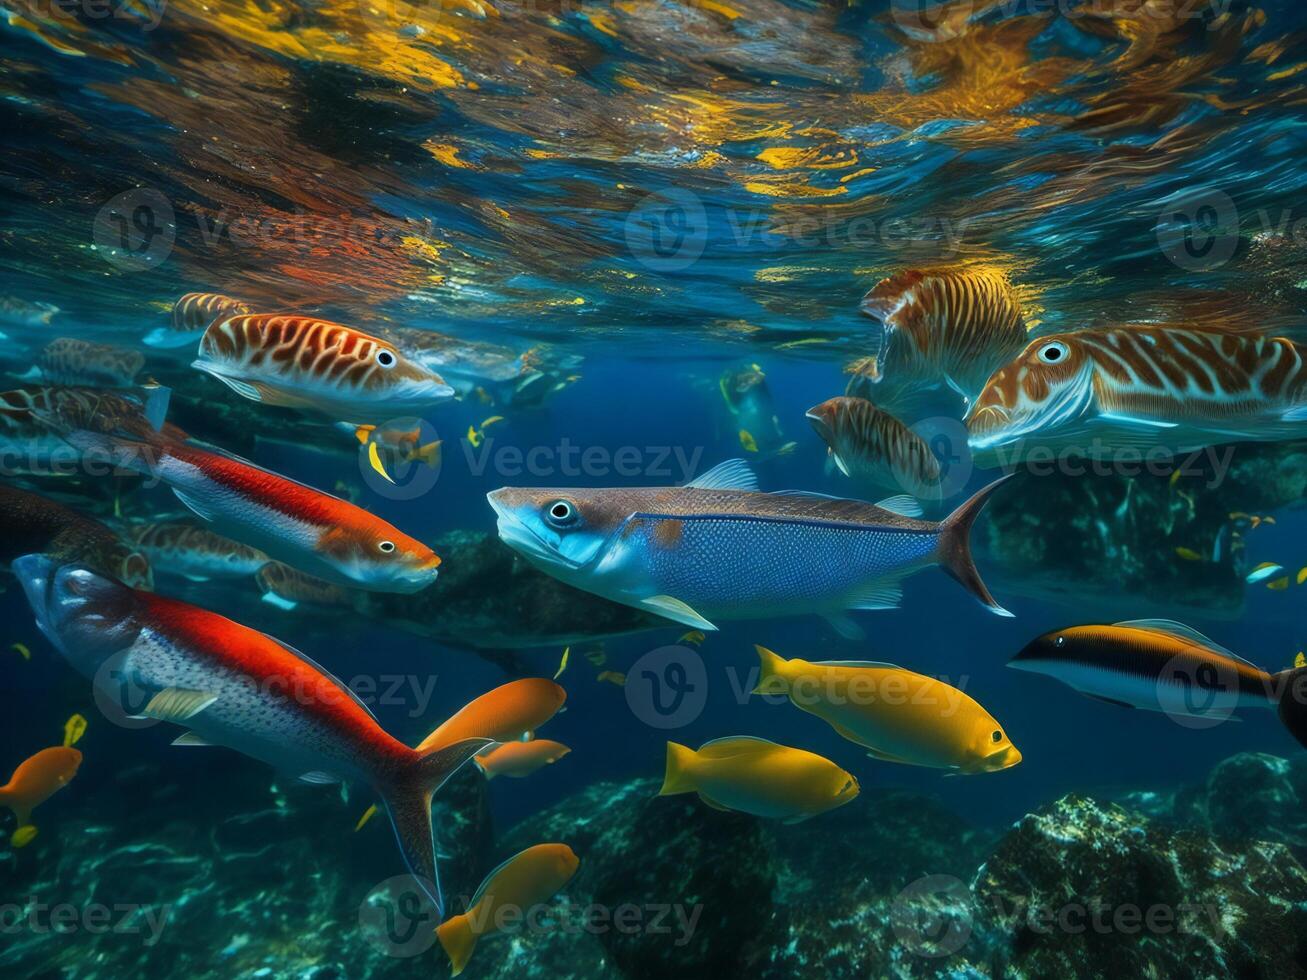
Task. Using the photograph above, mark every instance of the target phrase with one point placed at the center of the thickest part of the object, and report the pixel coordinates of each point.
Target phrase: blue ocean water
(645, 198)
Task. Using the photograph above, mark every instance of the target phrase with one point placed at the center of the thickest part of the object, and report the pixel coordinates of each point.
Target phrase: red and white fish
(194, 552)
(229, 685)
(191, 316)
(1172, 388)
(944, 325)
(301, 361)
(69, 361)
(304, 527)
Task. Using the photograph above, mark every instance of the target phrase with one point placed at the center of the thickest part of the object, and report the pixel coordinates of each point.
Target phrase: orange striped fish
(191, 315)
(1144, 386)
(69, 361)
(944, 325)
(302, 361)
(869, 444)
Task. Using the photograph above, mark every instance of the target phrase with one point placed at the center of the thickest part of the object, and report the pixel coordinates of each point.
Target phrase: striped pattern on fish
(301, 361)
(195, 311)
(194, 551)
(69, 361)
(954, 325)
(868, 443)
(291, 586)
(1236, 385)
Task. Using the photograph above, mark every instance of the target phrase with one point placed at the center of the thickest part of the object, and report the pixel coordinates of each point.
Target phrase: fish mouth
(521, 538)
(1005, 758)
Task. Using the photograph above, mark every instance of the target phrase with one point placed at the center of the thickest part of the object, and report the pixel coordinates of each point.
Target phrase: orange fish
(191, 315)
(870, 444)
(518, 759)
(38, 779)
(301, 361)
(504, 714)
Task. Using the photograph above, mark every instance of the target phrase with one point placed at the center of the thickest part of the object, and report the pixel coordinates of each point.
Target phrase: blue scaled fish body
(718, 548)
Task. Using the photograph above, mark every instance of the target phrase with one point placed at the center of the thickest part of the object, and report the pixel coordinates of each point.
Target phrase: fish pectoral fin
(272, 599)
(320, 778)
(1105, 700)
(177, 704)
(1298, 414)
(190, 738)
(902, 504)
(797, 818)
(674, 609)
(708, 801)
(844, 625)
(243, 388)
(1135, 420)
(886, 757)
(193, 505)
(878, 595)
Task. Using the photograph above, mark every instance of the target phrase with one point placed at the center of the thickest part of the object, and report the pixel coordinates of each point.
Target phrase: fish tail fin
(954, 550)
(458, 939)
(678, 779)
(428, 454)
(1291, 701)
(408, 801)
(9, 798)
(770, 678)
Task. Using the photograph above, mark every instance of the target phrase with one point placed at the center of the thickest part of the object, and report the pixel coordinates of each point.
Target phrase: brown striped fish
(288, 587)
(871, 445)
(1142, 386)
(194, 552)
(304, 362)
(69, 361)
(953, 326)
(191, 315)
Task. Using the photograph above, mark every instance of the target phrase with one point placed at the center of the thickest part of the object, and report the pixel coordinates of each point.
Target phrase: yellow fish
(368, 814)
(24, 835)
(748, 442)
(21, 650)
(753, 775)
(597, 656)
(1188, 554)
(74, 729)
(694, 637)
(1279, 584)
(562, 664)
(477, 434)
(525, 880)
(1300, 660)
(896, 714)
(1302, 575)
(1262, 572)
(613, 677)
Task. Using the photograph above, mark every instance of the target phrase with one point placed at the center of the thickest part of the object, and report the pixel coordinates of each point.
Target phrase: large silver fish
(229, 685)
(718, 548)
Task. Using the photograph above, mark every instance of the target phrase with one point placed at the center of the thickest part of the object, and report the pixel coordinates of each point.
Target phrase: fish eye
(997, 734)
(1053, 352)
(386, 358)
(386, 547)
(561, 513)
(1059, 641)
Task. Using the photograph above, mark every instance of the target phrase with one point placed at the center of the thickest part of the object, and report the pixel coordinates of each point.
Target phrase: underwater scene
(639, 489)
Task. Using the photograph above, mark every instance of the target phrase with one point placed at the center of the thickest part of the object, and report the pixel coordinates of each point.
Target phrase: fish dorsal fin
(857, 663)
(1184, 632)
(734, 474)
(485, 882)
(901, 504)
(721, 748)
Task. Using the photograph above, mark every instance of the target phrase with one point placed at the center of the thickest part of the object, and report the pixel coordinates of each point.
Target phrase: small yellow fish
(24, 835)
(21, 650)
(694, 637)
(1188, 554)
(368, 814)
(597, 656)
(1302, 575)
(562, 664)
(748, 442)
(613, 677)
(1175, 478)
(752, 775)
(1279, 584)
(477, 434)
(1262, 572)
(74, 729)
(1300, 660)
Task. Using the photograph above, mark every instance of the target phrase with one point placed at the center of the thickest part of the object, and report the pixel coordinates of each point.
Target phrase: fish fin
(844, 625)
(677, 777)
(770, 680)
(669, 607)
(428, 455)
(272, 599)
(163, 337)
(242, 388)
(840, 464)
(408, 801)
(954, 549)
(177, 704)
(878, 595)
(154, 405)
(321, 778)
(1298, 414)
(1114, 417)
(880, 664)
(362, 432)
(32, 374)
(797, 818)
(708, 801)
(731, 745)
(734, 474)
(193, 505)
(9, 798)
(190, 738)
(1184, 632)
(374, 460)
(1099, 697)
(458, 939)
(902, 504)
(1291, 706)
